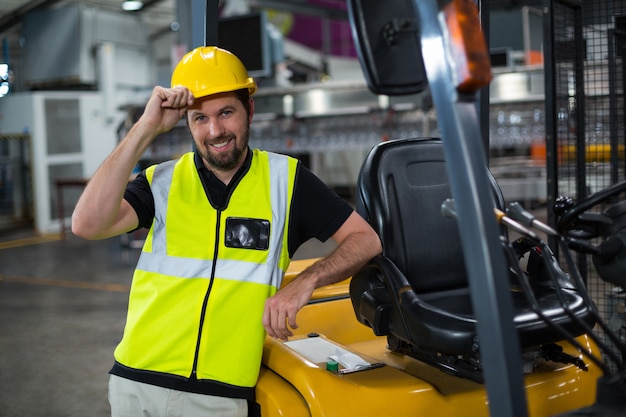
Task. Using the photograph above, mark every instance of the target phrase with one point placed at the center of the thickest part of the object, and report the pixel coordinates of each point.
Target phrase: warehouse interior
(73, 93)
(75, 74)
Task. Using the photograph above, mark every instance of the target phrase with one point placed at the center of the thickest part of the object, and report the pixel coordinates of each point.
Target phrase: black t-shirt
(316, 210)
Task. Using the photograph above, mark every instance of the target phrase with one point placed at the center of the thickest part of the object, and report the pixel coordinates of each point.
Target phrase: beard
(229, 160)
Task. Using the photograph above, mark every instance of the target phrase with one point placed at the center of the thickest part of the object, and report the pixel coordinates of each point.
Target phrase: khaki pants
(132, 399)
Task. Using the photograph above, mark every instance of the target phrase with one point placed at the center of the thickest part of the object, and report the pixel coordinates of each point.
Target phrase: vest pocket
(246, 233)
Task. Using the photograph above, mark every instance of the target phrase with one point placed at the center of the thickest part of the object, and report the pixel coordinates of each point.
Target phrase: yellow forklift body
(290, 384)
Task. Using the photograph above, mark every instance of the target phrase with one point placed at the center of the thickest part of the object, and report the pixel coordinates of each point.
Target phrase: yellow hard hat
(210, 70)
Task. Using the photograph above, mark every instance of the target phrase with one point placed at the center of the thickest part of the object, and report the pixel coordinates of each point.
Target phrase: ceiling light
(132, 5)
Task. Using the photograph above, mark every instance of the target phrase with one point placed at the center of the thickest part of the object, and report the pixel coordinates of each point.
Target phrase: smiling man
(220, 127)
(224, 222)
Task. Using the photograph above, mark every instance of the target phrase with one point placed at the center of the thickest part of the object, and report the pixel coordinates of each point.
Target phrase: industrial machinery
(467, 311)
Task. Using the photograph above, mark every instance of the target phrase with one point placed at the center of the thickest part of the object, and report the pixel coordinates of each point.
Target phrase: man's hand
(165, 108)
(281, 309)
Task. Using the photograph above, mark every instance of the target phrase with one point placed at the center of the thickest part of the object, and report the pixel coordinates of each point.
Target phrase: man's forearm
(101, 211)
(348, 258)
(98, 210)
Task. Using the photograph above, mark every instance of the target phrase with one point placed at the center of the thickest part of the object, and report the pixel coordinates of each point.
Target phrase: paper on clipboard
(349, 360)
(319, 350)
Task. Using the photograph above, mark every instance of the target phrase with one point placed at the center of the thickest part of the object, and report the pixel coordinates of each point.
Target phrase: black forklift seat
(417, 291)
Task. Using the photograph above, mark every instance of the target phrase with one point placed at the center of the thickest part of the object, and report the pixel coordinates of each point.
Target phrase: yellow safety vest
(196, 302)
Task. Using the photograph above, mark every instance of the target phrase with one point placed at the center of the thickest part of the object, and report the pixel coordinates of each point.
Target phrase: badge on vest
(244, 233)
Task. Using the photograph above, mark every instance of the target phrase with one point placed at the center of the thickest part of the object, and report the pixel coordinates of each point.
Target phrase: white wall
(26, 113)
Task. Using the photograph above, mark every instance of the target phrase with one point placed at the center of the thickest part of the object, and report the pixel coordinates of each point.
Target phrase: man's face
(220, 128)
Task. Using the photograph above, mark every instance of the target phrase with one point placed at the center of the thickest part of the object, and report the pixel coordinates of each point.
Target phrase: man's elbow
(370, 243)
(375, 244)
(83, 228)
(80, 230)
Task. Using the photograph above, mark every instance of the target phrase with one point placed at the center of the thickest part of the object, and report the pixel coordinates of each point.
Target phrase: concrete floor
(62, 312)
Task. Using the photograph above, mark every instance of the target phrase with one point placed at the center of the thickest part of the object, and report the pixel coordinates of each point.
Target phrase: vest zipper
(206, 298)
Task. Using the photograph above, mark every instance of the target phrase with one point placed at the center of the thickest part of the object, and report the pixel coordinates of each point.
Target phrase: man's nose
(216, 129)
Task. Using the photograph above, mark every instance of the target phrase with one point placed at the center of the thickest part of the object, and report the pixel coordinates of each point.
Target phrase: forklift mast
(454, 54)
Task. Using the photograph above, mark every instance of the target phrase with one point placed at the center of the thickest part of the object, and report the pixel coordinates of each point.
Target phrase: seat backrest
(400, 189)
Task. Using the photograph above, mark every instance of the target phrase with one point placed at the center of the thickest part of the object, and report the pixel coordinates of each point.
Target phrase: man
(223, 223)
